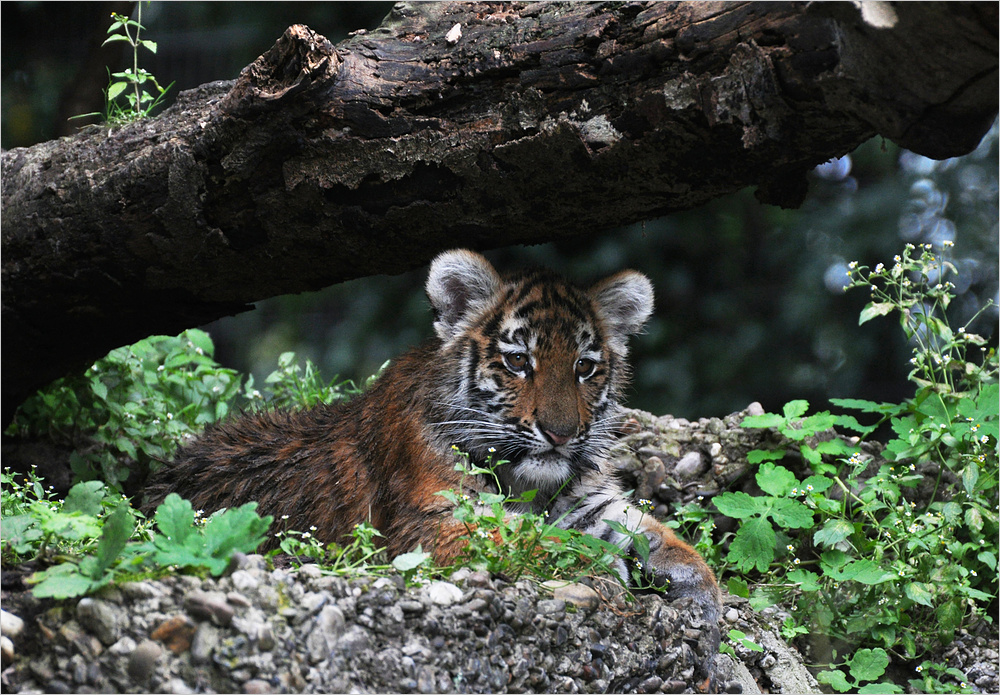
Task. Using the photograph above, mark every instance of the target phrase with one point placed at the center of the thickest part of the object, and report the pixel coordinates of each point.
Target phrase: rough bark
(322, 163)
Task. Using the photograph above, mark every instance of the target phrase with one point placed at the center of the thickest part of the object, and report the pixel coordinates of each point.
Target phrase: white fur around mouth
(543, 470)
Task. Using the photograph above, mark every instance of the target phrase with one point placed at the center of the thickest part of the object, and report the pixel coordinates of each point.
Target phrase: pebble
(579, 595)
(245, 581)
(444, 593)
(176, 633)
(312, 571)
(732, 615)
(209, 605)
(10, 624)
(689, 466)
(549, 606)
(6, 651)
(100, 618)
(143, 660)
(206, 637)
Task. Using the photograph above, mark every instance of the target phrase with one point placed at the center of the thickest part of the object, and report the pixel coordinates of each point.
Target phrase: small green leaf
(100, 389)
(738, 505)
(791, 513)
(738, 587)
(59, 582)
(116, 37)
(115, 89)
(174, 520)
(949, 617)
(868, 664)
(970, 476)
(753, 545)
(919, 592)
(149, 45)
(988, 559)
(760, 455)
(775, 480)
(407, 562)
(833, 532)
(807, 581)
(816, 483)
(879, 689)
(764, 421)
(875, 309)
(118, 528)
(796, 408)
(835, 679)
(85, 498)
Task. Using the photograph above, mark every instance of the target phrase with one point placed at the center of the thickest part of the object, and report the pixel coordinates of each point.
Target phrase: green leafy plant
(804, 432)
(754, 543)
(887, 557)
(36, 523)
(133, 406)
(139, 88)
(182, 542)
(93, 539)
(864, 665)
(930, 675)
(360, 555)
(91, 571)
(294, 386)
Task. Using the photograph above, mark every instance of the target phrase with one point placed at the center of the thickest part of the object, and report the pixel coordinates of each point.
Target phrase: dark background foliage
(750, 300)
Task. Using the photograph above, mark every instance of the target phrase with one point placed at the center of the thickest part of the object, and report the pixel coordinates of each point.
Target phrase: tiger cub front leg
(675, 564)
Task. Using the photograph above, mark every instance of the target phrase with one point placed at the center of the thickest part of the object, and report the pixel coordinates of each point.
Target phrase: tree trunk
(459, 124)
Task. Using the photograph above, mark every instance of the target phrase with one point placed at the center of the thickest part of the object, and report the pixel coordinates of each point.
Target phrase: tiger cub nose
(556, 438)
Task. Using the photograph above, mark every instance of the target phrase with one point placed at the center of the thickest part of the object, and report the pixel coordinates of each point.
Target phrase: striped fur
(525, 368)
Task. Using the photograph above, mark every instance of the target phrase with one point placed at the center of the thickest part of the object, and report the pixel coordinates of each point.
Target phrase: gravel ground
(263, 631)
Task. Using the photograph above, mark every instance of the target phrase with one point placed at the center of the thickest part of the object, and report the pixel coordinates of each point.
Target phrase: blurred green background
(750, 297)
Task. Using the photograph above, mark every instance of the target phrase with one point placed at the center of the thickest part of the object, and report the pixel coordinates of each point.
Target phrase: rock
(312, 571)
(549, 606)
(176, 686)
(206, 637)
(10, 625)
(6, 651)
(787, 667)
(690, 466)
(101, 619)
(142, 662)
(244, 580)
(479, 580)
(579, 595)
(731, 671)
(255, 686)
(209, 605)
(444, 593)
(176, 633)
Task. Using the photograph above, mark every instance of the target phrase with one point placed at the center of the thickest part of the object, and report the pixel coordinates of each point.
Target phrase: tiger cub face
(535, 366)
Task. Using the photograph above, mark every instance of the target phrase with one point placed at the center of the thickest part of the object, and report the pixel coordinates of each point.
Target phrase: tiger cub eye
(585, 367)
(516, 361)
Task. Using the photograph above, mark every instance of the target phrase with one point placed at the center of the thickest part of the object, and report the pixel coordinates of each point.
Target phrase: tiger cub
(526, 368)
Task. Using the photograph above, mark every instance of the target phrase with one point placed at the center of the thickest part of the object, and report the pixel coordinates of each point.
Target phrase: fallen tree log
(459, 124)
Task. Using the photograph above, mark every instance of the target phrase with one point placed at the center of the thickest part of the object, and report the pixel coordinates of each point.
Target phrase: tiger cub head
(534, 365)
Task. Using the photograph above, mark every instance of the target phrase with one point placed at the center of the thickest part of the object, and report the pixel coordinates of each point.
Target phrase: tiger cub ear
(624, 301)
(459, 283)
